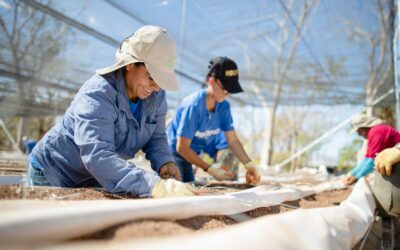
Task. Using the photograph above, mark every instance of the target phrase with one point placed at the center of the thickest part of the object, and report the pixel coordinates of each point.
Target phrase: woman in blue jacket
(117, 112)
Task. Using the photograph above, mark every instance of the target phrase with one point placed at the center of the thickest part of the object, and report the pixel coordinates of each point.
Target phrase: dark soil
(17, 192)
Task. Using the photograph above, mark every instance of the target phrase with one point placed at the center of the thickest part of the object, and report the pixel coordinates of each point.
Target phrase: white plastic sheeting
(46, 221)
(338, 227)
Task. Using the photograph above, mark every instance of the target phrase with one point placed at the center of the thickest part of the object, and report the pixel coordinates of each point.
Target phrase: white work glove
(252, 173)
(386, 159)
(171, 188)
(218, 173)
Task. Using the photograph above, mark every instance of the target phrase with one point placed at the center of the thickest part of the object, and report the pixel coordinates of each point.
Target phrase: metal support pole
(181, 50)
(396, 58)
(9, 136)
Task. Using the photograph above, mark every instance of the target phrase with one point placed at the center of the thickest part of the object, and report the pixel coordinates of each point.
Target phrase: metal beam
(14, 75)
(82, 27)
(86, 29)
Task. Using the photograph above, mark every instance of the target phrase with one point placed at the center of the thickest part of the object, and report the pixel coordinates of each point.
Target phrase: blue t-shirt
(218, 144)
(193, 121)
(136, 109)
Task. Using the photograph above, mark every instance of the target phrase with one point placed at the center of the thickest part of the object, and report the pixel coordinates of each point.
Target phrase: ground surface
(144, 229)
(163, 228)
(156, 228)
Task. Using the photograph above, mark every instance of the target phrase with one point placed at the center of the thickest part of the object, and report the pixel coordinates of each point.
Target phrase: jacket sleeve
(156, 149)
(94, 136)
(365, 167)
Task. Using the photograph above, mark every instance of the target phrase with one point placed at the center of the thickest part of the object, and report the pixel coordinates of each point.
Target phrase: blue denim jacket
(98, 133)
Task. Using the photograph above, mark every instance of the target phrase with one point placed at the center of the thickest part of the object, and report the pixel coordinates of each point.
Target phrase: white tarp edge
(46, 221)
(338, 227)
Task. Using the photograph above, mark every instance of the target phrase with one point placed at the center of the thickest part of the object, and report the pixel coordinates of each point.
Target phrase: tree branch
(34, 35)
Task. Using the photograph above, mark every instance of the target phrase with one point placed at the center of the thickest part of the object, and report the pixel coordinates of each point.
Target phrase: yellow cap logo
(232, 72)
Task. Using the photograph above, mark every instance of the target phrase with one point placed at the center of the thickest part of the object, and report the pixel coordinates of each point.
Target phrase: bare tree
(377, 46)
(281, 66)
(32, 43)
(295, 128)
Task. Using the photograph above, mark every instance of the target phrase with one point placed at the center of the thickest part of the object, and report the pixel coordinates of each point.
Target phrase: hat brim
(232, 87)
(116, 66)
(353, 130)
(166, 80)
(367, 124)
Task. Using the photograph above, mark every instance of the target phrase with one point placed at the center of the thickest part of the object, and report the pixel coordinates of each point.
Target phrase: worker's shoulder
(381, 128)
(161, 94)
(101, 83)
(159, 98)
(196, 99)
(98, 84)
(224, 104)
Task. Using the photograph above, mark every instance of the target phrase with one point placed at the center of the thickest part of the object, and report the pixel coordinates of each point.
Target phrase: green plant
(348, 154)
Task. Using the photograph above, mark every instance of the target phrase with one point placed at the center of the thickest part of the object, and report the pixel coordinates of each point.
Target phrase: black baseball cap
(227, 72)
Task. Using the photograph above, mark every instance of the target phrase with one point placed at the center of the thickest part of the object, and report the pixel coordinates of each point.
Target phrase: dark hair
(136, 64)
(212, 71)
(204, 83)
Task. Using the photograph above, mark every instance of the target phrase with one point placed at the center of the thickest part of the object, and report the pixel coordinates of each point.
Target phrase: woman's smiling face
(138, 82)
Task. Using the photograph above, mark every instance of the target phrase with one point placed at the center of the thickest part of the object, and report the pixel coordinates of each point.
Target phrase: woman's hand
(170, 171)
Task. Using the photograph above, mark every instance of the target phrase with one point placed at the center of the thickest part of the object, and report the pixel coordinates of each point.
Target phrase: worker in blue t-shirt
(201, 117)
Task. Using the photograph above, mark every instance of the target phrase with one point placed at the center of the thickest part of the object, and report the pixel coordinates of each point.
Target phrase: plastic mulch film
(20, 220)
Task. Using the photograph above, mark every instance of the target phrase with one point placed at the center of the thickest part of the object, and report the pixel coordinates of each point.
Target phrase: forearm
(357, 168)
(189, 155)
(238, 151)
(365, 167)
(117, 175)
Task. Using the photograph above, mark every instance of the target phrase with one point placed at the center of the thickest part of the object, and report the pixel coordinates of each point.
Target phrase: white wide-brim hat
(364, 121)
(152, 46)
